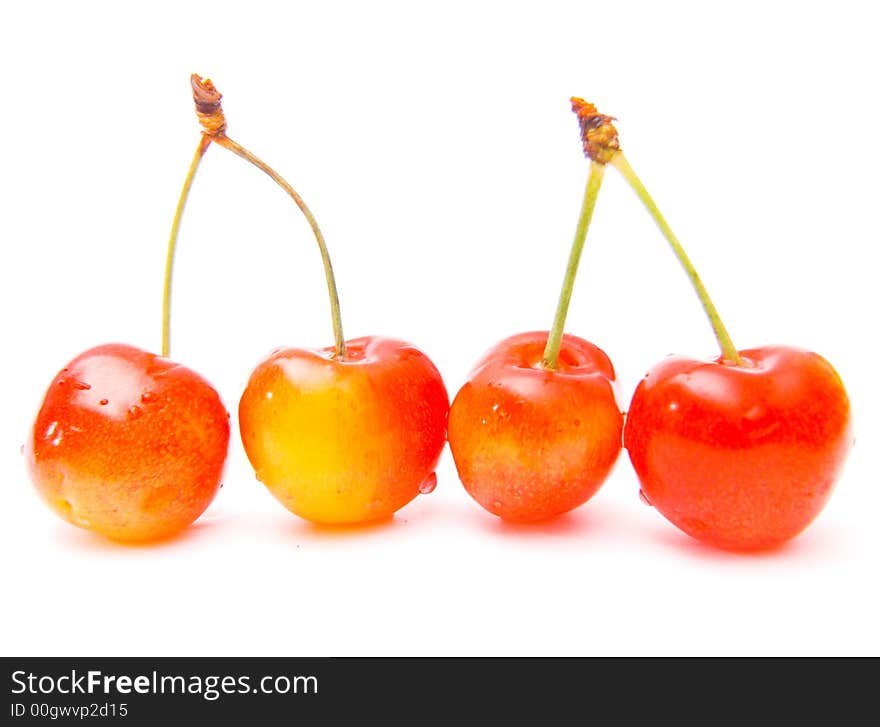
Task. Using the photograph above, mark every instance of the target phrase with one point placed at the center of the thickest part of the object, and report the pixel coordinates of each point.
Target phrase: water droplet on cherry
(104, 402)
(81, 385)
(429, 483)
(134, 411)
(148, 397)
(72, 515)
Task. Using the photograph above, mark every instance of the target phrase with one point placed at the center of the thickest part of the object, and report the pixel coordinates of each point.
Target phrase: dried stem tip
(597, 131)
(207, 100)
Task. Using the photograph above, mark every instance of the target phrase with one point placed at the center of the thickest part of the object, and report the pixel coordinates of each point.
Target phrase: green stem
(204, 143)
(236, 148)
(554, 340)
(728, 350)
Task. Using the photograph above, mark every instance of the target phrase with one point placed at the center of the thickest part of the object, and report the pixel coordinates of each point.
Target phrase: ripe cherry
(531, 442)
(740, 451)
(742, 456)
(130, 444)
(536, 428)
(339, 435)
(345, 440)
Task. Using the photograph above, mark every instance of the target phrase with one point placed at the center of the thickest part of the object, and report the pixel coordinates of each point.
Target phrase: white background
(435, 144)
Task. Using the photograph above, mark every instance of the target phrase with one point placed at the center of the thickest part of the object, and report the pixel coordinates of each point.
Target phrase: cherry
(345, 440)
(339, 435)
(536, 428)
(740, 456)
(130, 444)
(530, 442)
(740, 451)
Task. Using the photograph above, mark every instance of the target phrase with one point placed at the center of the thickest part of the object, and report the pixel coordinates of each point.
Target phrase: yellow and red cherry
(536, 428)
(126, 443)
(342, 441)
(341, 435)
(531, 443)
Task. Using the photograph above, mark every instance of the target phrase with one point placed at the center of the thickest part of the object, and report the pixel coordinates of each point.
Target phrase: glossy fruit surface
(347, 441)
(128, 444)
(530, 443)
(740, 457)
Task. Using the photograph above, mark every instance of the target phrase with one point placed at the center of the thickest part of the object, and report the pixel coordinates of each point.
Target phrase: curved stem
(236, 148)
(591, 193)
(728, 350)
(204, 143)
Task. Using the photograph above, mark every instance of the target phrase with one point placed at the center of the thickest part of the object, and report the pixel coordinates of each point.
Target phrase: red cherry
(741, 452)
(530, 443)
(128, 444)
(345, 441)
(740, 457)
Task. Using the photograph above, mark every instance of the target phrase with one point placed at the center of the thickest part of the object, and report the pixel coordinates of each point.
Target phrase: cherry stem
(204, 143)
(238, 149)
(729, 352)
(591, 193)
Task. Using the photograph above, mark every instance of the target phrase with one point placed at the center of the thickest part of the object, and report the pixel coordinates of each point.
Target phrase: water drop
(496, 505)
(430, 482)
(58, 437)
(104, 402)
(50, 430)
(644, 498)
(81, 385)
(66, 507)
(71, 514)
(148, 397)
(134, 411)
(756, 412)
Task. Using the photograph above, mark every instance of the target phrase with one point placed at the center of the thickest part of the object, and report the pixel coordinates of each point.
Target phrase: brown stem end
(207, 101)
(597, 132)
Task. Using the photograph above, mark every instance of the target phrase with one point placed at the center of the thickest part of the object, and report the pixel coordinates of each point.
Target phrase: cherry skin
(128, 444)
(530, 443)
(345, 441)
(740, 457)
